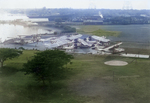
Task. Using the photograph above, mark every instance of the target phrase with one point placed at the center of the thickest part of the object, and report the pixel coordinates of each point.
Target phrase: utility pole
(92, 4)
(127, 5)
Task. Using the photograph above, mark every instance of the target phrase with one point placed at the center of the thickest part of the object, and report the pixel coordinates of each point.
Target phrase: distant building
(93, 22)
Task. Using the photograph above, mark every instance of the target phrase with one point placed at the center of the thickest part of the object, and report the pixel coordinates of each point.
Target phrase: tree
(58, 20)
(48, 65)
(7, 53)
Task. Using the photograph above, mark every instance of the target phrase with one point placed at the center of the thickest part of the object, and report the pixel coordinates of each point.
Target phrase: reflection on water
(9, 17)
(7, 30)
(130, 33)
(132, 36)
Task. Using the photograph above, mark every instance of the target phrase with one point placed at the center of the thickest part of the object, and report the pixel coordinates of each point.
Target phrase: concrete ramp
(135, 55)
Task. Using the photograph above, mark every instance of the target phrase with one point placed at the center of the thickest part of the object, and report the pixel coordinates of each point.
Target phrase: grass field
(96, 30)
(89, 81)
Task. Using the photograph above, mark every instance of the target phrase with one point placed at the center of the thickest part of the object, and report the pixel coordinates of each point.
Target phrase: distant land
(89, 16)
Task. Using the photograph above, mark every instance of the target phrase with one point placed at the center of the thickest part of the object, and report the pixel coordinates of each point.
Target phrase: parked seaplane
(114, 48)
(23, 39)
(88, 40)
(63, 42)
(71, 47)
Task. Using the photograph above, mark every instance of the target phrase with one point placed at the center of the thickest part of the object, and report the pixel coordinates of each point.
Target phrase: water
(133, 36)
(11, 31)
(8, 31)
(134, 33)
(7, 16)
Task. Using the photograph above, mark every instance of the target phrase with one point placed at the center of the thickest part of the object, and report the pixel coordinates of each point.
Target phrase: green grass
(96, 30)
(17, 62)
(129, 89)
(87, 71)
(15, 87)
(105, 33)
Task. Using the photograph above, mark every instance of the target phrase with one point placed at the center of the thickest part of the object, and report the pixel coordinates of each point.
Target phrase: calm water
(7, 31)
(132, 35)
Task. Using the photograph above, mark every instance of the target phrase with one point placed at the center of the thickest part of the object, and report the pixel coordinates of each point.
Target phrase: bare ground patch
(91, 87)
(99, 90)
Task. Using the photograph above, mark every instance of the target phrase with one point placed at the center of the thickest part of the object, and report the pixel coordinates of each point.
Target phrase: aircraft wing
(75, 37)
(103, 39)
(111, 47)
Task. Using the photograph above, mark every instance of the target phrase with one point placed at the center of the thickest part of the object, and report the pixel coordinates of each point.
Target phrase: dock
(136, 56)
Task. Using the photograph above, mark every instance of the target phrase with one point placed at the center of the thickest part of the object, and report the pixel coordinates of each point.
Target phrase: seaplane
(71, 47)
(74, 37)
(84, 44)
(22, 39)
(88, 40)
(113, 49)
(12, 40)
(101, 40)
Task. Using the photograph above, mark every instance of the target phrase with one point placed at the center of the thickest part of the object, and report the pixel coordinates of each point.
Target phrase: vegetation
(89, 81)
(21, 48)
(96, 30)
(122, 20)
(58, 20)
(64, 28)
(68, 29)
(6, 53)
(48, 65)
(101, 32)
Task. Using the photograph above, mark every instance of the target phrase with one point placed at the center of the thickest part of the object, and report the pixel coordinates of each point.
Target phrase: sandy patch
(116, 63)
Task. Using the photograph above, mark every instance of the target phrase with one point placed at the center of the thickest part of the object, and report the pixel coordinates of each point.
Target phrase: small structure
(136, 55)
(0, 40)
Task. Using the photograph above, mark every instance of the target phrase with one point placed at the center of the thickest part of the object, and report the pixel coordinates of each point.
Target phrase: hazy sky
(106, 4)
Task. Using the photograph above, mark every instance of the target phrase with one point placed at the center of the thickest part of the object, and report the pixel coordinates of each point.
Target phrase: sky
(79, 4)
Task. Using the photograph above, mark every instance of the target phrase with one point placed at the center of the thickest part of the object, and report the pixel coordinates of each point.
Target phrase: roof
(103, 39)
(75, 37)
(83, 42)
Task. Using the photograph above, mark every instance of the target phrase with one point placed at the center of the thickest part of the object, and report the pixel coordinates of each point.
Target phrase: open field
(95, 30)
(89, 81)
